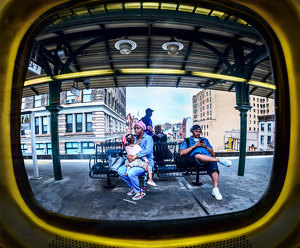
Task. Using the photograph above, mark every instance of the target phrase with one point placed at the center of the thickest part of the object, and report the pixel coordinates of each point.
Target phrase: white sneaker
(152, 183)
(225, 162)
(216, 193)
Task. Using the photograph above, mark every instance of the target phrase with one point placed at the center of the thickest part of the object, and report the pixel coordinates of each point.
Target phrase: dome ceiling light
(125, 46)
(172, 47)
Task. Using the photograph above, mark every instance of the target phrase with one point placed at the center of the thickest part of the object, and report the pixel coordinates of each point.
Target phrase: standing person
(201, 150)
(132, 178)
(159, 136)
(148, 122)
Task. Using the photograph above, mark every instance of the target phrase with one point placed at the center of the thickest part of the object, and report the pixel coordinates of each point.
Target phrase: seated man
(159, 136)
(161, 151)
(199, 148)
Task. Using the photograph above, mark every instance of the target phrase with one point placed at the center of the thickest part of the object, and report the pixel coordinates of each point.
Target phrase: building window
(23, 148)
(254, 128)
(87, 147)
(206, 93)
(49, 148)
(106, 123)
(44, 125)
(37, 125)
(105, 96)
(37, 101)
(249, 128)
(262, 127)
(70, 96)
(262, 139)
(69, 123)
(249, 121)
(78, 122)
(88, 125)
(269, 127)
(71, 148)
(23, 103)
(86, 95)
(40, 148)
(269, 140)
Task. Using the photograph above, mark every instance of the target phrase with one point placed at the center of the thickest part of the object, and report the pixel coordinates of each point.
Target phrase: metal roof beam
(134, 16)
(141, 31)
(188, 52)
(109, 56)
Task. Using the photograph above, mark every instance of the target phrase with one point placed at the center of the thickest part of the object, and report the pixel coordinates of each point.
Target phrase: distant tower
(138, 115)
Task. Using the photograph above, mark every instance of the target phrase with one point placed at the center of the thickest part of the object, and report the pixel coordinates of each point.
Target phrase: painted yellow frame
(18, 224)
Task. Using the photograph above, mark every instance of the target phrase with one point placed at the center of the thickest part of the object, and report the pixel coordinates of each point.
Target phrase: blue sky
(169, 104)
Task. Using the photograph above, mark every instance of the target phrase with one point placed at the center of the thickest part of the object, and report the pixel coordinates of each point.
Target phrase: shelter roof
(210, 37)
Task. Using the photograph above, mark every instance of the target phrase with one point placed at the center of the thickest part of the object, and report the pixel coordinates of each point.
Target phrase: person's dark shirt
(160, 137)
(148, 122)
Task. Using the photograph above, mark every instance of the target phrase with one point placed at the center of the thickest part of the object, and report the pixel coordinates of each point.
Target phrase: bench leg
(197, 182)
(108, 184)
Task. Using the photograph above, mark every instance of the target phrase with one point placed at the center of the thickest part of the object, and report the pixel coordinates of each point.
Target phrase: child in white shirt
(133, 149)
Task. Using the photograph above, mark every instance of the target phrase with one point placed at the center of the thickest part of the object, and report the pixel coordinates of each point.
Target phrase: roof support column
(54, 107)
(242, 102)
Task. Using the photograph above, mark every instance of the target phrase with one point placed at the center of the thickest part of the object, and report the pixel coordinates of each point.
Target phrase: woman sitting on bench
(132, 179)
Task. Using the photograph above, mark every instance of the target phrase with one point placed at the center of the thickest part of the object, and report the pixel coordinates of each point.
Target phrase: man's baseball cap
(149, 110)
(195, 127)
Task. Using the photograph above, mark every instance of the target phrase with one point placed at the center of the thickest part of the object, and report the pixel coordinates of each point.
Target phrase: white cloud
(169, 104)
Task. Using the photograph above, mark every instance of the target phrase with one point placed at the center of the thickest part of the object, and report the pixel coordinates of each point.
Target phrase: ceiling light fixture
(172, 47)
(125, 46)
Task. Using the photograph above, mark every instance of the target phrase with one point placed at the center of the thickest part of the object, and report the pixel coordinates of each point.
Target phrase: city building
(215, 112)
(187, 124)
(95, 115)
(266, 132)
(232, 141)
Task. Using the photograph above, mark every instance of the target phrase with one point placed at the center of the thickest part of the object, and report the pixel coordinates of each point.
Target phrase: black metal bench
(166, 162)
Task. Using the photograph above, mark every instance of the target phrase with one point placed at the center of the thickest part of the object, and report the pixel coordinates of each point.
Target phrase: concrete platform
(176, 197)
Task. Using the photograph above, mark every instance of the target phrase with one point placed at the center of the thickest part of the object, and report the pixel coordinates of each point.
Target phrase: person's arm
(208, 147)
(189, 149)
(147, 149)
(150, 129)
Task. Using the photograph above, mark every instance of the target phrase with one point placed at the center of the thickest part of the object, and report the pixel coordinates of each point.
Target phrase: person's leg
(122, 171)
(213, 171)
(133, 176)
(206, 159)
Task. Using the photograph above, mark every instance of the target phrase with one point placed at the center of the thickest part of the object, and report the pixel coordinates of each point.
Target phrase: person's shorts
(210, 167)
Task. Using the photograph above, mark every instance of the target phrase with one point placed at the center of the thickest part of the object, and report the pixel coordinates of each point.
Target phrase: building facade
(84, 121)
(266, 133)
(215, 112)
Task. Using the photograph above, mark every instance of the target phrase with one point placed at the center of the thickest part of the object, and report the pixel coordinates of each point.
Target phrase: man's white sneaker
(216, 193)
(225, 162)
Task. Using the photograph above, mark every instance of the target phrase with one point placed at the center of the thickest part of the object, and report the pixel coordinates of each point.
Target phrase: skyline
(169, 104)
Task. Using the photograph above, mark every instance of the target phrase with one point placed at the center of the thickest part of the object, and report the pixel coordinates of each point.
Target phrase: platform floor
(79, 195)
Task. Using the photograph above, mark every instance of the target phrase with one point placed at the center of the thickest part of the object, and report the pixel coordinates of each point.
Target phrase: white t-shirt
(133, 150)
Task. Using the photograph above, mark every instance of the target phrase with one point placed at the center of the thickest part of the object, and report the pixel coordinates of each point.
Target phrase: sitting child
(133, 149)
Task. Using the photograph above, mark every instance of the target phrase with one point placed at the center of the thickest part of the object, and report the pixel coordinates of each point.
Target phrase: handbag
(115, 162)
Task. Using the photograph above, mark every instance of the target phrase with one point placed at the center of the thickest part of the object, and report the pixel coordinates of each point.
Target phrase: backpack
(185, 161)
